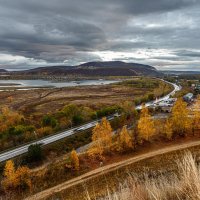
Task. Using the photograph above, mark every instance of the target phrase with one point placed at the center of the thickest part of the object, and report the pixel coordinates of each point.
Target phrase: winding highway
(151, 103)
(53, 138)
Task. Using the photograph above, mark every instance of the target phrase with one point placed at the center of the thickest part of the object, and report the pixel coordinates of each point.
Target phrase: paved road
(50, 139)
(46, 194)
(151, 103)
(44, 141)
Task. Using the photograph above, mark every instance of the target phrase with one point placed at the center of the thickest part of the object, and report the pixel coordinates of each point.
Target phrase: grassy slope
(163, 159)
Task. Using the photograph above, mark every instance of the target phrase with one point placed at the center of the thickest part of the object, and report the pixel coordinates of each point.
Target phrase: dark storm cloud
(37, 33)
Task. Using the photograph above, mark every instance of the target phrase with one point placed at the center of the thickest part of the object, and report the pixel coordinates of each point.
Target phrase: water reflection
(45, 83)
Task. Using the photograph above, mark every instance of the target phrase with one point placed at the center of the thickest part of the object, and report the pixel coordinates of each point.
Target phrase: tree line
(182, 121)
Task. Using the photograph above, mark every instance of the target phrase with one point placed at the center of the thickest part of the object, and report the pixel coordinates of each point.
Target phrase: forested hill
(110, 68)
(2, 71)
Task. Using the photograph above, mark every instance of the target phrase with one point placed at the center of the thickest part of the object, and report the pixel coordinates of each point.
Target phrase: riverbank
(23, 84)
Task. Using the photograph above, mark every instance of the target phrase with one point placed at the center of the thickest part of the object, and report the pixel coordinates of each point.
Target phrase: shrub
(44, 131)
(20, 129)
(34, 153)
(107, 111)
(49, 121)
(151, 97)
(77, 119)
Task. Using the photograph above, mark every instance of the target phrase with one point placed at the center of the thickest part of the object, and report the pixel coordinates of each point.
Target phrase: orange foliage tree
(196, 115)
(125, 141)
(9, 118)
(9, 175)
(181, 122)
(106, 131)
(101, 139)
(15, 178)
(23, 177)
(103, 133)
(168, 129)
(96, 149)
(146, 127)
(74, 160)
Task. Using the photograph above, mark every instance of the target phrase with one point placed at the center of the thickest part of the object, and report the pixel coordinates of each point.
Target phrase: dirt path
(108, 168)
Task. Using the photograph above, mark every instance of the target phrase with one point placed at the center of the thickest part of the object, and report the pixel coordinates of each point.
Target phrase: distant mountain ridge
(175, 72)
(109, 68)
(3, 70)
(114, 64)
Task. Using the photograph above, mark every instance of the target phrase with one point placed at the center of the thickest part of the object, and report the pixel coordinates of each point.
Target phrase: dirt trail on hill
(108, 168)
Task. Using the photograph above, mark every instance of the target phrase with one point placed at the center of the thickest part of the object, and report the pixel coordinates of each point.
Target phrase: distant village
(167, 105)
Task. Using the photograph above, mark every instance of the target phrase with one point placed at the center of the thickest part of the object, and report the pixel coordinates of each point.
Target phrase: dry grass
(41, 101)
(182, 186)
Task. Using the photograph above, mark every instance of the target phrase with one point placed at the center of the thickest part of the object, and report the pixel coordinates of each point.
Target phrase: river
(28, 84)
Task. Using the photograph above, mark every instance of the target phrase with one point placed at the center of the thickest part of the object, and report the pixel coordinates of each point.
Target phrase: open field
(43, 101)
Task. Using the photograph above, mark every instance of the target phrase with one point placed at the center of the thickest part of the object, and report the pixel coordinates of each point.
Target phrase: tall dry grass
(182, 186)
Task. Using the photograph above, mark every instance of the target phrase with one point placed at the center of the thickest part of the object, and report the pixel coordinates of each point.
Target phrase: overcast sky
(162, 33)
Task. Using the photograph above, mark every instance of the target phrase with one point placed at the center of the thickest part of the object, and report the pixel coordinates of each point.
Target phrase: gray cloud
(160, 32)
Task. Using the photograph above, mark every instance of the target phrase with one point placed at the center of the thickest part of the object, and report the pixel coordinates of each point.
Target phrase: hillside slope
(82, 180)
(3, 70)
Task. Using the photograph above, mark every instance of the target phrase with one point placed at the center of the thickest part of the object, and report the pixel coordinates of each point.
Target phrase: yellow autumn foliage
(15, 178)
(8, 118)
(101, 138)
(146, 127)
(181, 122)
(103, 133)
(9, 174)
(74, 160)
(124, 140)
(168, 129)
(196, 114)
